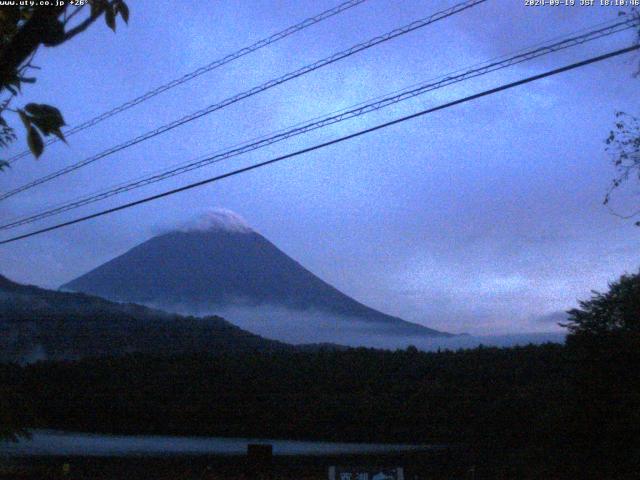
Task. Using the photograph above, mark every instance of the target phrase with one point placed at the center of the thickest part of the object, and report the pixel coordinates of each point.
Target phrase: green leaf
(33, 108)
(47, 118)
(110, 17)
(25, 119)
(34, 140)
(123, 9)
(28, 79)
(94, 8)
(42, 109)
(59, 134)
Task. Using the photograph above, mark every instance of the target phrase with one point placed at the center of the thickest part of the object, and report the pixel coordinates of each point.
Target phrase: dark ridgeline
(221, 267)
(43, 324)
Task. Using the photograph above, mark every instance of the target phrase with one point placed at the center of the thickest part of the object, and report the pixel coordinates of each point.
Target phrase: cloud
(316, 326)
(217, 219)
(552, 318)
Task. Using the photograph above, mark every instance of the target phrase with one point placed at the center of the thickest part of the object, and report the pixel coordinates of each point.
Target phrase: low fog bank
(22, 342)
(315, 326)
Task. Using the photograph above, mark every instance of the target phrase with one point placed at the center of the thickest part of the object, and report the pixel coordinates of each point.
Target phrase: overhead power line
(319, 146)
(344, 115)
(202, 70)
(265, 86)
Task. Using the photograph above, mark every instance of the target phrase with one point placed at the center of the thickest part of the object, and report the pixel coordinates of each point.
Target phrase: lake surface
(57, 443)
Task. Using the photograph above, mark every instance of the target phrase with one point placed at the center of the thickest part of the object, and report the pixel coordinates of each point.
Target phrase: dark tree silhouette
(614, 312)
(623, 144)
(23, 29)
(604, 406)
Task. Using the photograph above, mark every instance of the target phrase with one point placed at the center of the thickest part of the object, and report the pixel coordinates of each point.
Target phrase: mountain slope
(217, 267)
(42, 324)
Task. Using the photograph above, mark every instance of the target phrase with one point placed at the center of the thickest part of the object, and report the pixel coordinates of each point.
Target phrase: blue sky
(482, 218)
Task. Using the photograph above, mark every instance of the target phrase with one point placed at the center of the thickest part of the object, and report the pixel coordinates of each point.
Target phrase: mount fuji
(219, 265)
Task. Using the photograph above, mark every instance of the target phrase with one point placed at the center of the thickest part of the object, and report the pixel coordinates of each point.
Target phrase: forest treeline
(357, 394)
(534, 407)
(546, 411)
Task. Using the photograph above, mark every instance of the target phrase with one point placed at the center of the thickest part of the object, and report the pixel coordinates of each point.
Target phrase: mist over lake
(59, 443)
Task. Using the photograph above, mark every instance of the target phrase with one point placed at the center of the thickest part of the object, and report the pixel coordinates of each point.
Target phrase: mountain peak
(217, 219)
(215, 269)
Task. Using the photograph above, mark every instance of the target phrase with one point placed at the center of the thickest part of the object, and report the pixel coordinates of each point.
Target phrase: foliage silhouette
(25, 27)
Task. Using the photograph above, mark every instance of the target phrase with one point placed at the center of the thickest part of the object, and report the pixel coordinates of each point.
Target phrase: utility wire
(265, 86)
(202, 70)
(328, 143)
(344, 115)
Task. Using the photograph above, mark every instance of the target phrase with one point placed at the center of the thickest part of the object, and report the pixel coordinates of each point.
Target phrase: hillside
(36, 324)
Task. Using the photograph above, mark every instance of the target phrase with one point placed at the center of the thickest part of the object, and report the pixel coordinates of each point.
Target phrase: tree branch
(73, 14)
(27, 39)
(82, 26)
